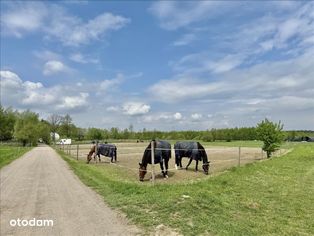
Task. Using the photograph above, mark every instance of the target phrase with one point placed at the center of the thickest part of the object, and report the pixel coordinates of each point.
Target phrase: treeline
(28, 128)
(25, 127)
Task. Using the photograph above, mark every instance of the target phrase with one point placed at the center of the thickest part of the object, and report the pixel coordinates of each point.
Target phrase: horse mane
(202, 152)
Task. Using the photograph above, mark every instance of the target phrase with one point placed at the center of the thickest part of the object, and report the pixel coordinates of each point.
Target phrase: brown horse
(109, 150)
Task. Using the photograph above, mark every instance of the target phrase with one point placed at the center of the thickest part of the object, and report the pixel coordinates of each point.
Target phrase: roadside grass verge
(9, 153)
(273, 197)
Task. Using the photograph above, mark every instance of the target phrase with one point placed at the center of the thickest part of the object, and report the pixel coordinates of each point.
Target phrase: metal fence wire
(128, 156)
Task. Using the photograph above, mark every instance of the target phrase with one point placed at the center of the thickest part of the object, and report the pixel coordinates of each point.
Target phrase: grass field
(9, 153)
(273, 197)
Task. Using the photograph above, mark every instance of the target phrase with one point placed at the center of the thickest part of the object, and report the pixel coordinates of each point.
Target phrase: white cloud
(176, 90)
(47, 55)
(167, 117)
(177, 116)
(29, 94)
(266, 79)
(113, 108)
(74, 102)
(26, 17)
(71, 31)
(108, 84)
(135, 108)
(54, 67)
(35, 97)
(10, 80)
(225, 64)
(196, 116)
(185, 40)
(79, 58)
(23, 18)
(173, 15)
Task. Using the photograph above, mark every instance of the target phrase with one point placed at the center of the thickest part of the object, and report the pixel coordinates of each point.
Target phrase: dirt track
(40, 185)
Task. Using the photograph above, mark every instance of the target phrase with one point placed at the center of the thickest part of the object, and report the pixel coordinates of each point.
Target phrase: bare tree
(54, 121)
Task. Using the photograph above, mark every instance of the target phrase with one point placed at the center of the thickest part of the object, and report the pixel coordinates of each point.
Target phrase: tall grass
(9, 153)
(273, 197)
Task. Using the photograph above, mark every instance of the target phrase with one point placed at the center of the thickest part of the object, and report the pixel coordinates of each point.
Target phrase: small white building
(65, 141)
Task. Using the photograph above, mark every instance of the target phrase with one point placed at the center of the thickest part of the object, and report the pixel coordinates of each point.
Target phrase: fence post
(96, 149)
(70, 147)
(262, 152)
(153, 161)
(239, 161)
(77, 151)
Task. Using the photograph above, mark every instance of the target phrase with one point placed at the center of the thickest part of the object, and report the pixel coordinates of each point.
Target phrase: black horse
(109, 150)
(194, 151)
(162, 154)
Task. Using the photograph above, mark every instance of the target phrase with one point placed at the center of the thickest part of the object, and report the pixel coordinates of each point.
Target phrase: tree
(67, 128)
(95, 134)
(26, 128)
(271, 134)
(54, 121)
(7, 121)
(44, 131)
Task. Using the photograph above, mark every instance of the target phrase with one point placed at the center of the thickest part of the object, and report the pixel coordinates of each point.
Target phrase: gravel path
(40, 185)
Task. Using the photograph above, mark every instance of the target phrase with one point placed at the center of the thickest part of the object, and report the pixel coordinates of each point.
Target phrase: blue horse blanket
(187, 149)
(108, 150)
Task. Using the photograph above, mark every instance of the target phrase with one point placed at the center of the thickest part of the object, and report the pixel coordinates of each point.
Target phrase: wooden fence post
(153, 161)
(239, 161)
(77, 151)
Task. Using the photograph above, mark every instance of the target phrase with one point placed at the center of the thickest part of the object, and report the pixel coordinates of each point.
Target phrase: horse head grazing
(142, 171)
(206, 167)
(89, 155)
(204, 158)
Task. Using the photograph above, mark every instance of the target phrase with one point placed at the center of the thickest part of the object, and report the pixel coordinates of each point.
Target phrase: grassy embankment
(10, 153)
(273, 197)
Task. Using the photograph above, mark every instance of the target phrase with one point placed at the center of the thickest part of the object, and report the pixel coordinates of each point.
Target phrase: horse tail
(115, 153)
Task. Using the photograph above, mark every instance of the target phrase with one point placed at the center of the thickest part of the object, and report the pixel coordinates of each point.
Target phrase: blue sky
(160, 65)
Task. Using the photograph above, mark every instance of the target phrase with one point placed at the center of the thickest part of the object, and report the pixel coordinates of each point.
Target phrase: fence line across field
(239, 154)
(77, 147)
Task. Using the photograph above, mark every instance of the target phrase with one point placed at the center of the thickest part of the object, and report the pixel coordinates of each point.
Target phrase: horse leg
(189, 163)
(196, 166)
(166, 165)
(162, 168)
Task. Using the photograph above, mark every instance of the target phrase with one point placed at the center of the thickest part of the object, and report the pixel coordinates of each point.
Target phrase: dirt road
(40, 185)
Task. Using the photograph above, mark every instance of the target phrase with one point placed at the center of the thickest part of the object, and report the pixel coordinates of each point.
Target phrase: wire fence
(130, 154)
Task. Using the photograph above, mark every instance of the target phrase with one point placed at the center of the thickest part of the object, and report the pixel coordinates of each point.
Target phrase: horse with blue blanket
(162, 154)
(194, 151)
(108, 150)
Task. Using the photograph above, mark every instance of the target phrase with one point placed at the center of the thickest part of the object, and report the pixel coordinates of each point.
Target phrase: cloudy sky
(164, 65)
